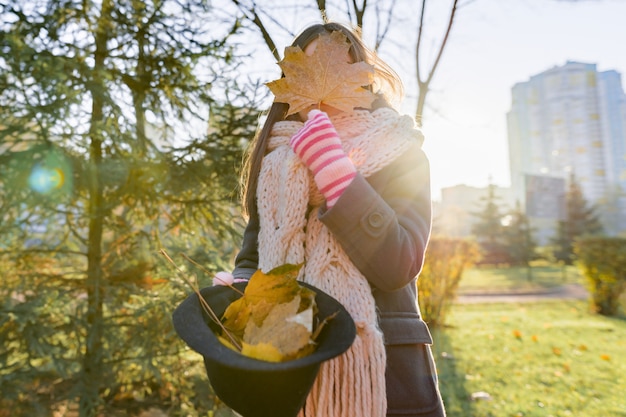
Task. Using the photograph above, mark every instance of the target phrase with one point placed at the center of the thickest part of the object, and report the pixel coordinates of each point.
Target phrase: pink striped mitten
(318, 146)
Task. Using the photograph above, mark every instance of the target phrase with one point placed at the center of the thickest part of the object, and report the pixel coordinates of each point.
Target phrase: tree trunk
(424, 84)
(92, 361)
(422, 91)
(139, 96)
(359, 12)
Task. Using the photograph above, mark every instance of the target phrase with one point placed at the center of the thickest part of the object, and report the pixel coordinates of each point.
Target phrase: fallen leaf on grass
(481, 395)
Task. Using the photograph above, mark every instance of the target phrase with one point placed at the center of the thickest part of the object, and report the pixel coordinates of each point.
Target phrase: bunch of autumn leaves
(276, 318)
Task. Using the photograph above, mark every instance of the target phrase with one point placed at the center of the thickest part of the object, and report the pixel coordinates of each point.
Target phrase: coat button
(375, 220)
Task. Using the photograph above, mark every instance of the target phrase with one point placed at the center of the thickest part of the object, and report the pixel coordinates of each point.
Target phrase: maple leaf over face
(324, 77)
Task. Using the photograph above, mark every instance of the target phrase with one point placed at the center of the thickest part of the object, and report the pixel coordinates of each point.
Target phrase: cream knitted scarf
(353, 384)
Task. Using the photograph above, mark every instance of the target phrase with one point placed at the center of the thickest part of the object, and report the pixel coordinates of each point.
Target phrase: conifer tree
(580, 220)
(520, 242)
(488, 228)
(106, 156)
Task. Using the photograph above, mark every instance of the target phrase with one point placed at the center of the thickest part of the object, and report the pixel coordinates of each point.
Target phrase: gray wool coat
(383, 224)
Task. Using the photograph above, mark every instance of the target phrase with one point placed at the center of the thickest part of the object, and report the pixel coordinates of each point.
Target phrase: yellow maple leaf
(289, 338)
(262, 351)
(262, 292)
(324, 77)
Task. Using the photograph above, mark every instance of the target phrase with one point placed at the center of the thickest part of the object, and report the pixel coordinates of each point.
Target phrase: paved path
(563, 292)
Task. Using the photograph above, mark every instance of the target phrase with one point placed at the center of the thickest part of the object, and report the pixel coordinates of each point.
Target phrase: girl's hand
(329, 110)
(225, 278)
(318, 146)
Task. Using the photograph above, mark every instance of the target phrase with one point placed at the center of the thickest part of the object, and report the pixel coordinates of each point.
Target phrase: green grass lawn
(535, 359)
(517, 279)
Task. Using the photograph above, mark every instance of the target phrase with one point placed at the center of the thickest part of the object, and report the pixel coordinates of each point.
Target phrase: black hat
(256, 388)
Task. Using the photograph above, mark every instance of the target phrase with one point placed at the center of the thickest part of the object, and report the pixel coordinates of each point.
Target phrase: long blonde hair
(387, 85)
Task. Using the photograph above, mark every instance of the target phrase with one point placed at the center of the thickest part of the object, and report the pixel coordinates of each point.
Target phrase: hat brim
(253, 387)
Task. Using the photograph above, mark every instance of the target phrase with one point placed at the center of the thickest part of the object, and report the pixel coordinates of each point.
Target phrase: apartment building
(570, 119)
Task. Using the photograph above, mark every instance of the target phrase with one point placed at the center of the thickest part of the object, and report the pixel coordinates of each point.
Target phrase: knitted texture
(353, 384)
(318, 145)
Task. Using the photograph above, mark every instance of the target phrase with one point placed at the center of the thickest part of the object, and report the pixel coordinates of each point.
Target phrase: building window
(591, 79)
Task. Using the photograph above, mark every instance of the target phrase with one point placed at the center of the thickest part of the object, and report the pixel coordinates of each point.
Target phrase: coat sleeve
(383, 223)
(247, 260)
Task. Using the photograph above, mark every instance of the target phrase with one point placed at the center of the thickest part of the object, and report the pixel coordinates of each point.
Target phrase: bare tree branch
(468, 2)
(420, 29)
(424, 85)
(381, 34)
(252, 15)
(443, 42)
(348, 10)
(359, 12)
(321, 6)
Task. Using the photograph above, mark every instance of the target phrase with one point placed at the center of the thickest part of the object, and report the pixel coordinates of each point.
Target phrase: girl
(348, 195)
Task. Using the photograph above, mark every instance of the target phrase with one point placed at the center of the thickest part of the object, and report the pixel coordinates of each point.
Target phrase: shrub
(603, 263)
(446, 259)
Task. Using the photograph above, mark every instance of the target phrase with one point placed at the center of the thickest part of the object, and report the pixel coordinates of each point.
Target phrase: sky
(495, 44)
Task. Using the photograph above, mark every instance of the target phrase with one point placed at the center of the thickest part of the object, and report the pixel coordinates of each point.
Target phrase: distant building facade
(569, 119)
(455, 215)
(544, 204)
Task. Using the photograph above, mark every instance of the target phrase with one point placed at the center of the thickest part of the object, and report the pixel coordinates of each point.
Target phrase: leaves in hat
(324, 77)
(273, 320)
(282, 331)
